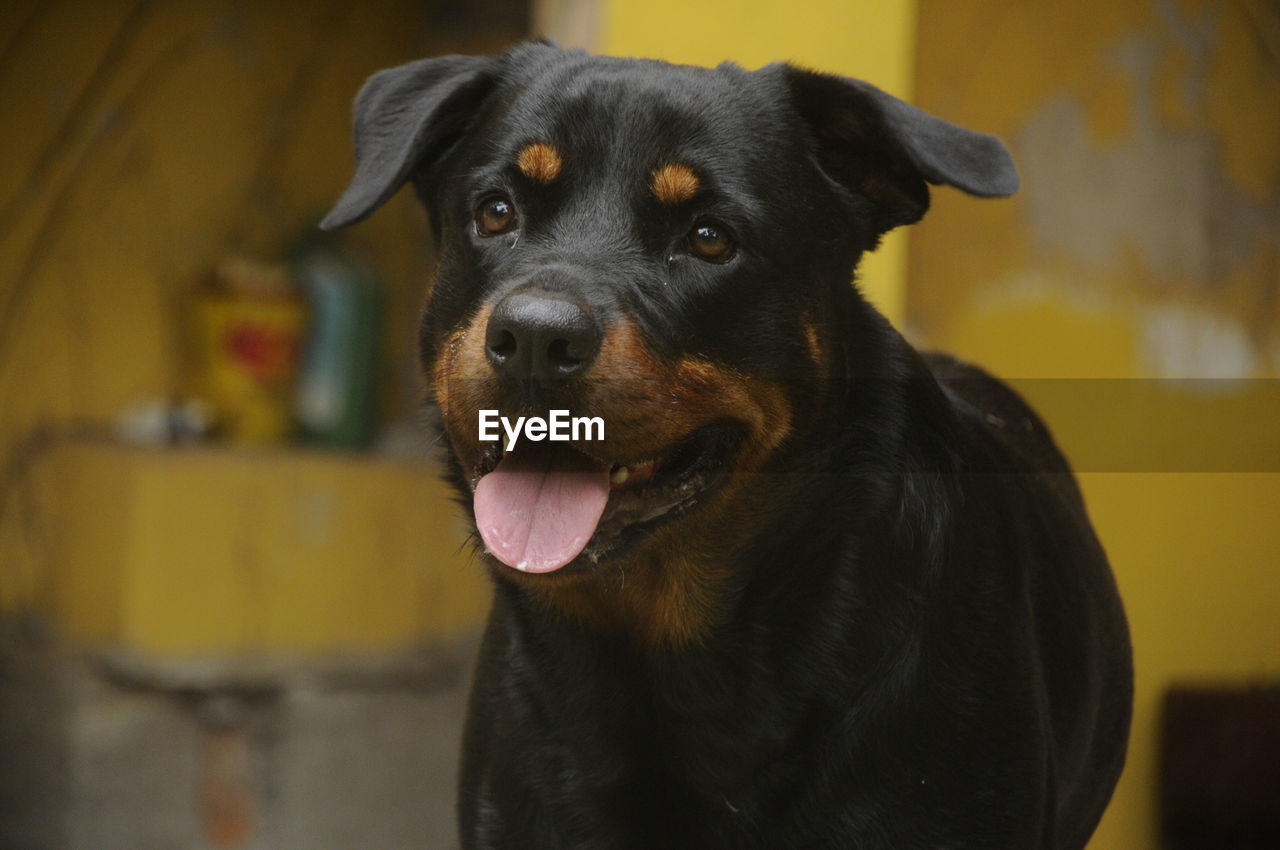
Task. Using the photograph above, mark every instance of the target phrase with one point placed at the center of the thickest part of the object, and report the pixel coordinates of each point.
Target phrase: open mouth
(543, 504)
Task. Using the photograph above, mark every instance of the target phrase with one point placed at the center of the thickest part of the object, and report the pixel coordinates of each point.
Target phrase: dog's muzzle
(541, 338)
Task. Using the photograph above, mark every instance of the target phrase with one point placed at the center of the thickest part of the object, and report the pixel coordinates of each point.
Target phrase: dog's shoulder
(996, 410)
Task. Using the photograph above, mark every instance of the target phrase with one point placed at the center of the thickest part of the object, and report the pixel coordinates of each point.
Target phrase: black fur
(919, 643)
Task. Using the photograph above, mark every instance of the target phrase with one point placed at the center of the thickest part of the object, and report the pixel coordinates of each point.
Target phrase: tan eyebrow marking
(674, 183)
(540, 162)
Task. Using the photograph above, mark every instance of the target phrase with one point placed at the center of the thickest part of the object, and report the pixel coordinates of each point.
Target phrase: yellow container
(251, 322)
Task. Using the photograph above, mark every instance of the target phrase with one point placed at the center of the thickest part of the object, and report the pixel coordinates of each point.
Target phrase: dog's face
(666, 249)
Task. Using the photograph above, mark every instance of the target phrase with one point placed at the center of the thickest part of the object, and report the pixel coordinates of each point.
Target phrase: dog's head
(666, 249)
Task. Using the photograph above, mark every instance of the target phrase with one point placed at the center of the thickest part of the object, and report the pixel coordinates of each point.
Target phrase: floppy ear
(405, 117)
(887, 150)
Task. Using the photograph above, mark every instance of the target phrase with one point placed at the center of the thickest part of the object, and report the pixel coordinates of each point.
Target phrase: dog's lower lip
(668, 483)
(489, 458)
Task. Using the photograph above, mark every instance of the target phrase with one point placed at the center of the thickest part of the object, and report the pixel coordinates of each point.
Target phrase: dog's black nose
(540, 336)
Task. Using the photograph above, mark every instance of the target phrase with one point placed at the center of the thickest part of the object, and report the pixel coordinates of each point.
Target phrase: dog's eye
(495, 216)
(711, 242)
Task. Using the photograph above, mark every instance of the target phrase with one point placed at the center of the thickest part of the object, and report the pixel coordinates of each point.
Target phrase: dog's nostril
(562, 355)
(503, 344)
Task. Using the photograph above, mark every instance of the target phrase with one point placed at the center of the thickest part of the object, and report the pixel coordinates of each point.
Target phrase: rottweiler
(804, 587)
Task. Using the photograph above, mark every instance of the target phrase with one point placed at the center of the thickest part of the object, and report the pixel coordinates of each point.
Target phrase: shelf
(214, 550)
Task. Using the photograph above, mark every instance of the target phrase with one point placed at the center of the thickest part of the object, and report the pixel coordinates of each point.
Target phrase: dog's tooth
(620, 475)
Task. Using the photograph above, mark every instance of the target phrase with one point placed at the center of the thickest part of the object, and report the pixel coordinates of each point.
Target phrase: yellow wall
(1143, 247)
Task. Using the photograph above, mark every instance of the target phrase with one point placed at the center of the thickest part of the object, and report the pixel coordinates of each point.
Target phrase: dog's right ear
(888, 151)
(407, 117)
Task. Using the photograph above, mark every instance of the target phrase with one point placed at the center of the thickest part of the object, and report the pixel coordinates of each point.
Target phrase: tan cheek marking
(540, 162)
(651, 406)
(460, 373)
(674, 183)
(762, 403)
(812, 341)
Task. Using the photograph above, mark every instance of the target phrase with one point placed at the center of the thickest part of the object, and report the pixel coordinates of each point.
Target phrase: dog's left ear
(406, 118)
(887, 151)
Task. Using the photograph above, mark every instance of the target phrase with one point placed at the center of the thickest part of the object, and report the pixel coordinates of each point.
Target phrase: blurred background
(235, 606)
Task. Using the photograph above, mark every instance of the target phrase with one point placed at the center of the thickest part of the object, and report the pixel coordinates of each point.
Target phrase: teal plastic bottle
(336, 399)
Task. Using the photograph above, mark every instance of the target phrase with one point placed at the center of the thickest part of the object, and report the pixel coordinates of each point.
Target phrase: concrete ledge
(111, 751)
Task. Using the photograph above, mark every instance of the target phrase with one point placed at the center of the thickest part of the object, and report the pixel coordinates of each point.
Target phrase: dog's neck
(611, 660)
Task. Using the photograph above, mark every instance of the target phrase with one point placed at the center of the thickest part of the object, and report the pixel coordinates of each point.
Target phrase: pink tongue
(540, 507)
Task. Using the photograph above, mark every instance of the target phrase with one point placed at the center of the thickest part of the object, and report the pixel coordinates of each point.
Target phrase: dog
(806, 587)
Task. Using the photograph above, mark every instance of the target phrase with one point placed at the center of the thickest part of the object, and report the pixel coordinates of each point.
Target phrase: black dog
(811, 589)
